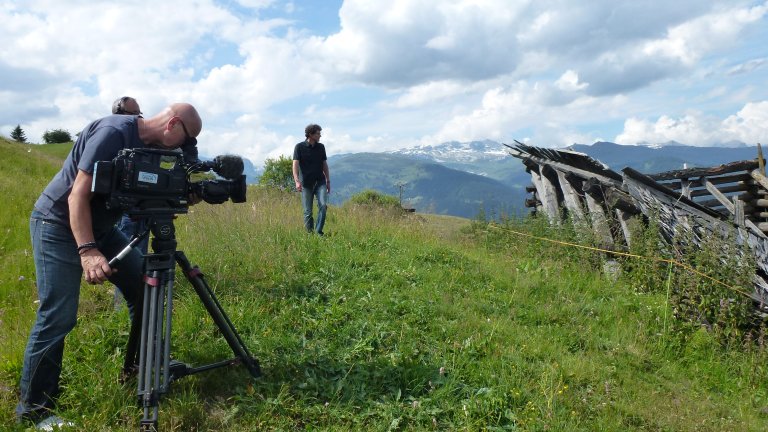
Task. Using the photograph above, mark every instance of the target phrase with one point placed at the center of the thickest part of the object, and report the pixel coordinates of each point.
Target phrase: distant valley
(463, 179)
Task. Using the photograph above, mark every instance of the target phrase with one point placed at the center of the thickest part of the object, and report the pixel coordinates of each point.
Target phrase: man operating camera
(73, 232)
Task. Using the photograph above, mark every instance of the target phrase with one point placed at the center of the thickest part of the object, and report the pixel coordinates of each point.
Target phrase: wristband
(86, 246)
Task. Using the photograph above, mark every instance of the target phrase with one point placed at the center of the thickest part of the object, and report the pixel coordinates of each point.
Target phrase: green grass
(391, 322)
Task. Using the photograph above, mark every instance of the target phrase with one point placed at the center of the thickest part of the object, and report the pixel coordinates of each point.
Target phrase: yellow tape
(665, 260)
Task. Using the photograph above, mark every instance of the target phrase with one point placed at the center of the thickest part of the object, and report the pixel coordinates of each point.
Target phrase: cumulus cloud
(747, 125)
(405, 43)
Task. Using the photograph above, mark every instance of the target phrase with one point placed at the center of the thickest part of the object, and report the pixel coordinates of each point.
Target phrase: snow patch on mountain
(454, 151)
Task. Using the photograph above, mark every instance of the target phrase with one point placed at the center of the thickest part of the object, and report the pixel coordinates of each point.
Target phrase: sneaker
(53, 423)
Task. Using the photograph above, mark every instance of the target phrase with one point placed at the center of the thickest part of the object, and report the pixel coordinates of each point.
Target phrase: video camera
(146, 181)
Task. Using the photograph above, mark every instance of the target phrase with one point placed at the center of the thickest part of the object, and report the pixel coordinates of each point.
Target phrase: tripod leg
(219, 316)
(154, 351)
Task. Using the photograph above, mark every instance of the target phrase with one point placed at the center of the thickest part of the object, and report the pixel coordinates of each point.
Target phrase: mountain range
(463, 179)
(423, 184)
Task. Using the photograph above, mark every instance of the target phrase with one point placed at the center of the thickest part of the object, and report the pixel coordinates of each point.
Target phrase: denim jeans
(58, 277)
(307, 194)
(130, 227)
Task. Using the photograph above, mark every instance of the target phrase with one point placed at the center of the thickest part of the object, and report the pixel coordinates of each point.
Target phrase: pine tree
(18, 134)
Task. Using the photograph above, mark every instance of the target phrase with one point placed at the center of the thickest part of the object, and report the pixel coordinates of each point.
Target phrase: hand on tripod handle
(95, 267)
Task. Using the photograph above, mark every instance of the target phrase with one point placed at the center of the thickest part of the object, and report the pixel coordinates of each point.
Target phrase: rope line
(630, 255)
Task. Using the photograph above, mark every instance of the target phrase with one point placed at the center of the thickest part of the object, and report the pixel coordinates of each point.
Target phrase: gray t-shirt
(101, 140)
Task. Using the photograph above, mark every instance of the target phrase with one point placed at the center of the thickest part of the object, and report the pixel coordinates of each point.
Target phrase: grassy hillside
(392, 322)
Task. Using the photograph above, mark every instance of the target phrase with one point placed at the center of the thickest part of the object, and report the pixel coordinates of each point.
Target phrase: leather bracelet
(86, 246)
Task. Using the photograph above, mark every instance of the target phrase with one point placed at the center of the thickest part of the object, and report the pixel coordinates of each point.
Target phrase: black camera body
(147, 181)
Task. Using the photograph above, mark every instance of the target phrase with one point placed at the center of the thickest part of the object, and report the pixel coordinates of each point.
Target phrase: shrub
(278, 173)
(375, 198)
(56, 136)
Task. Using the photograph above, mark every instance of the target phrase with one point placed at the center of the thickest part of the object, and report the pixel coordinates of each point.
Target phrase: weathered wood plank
(718, 195)
(747, 165)
(722, 189)
(623, 218)
(670, 196)
(571, 198)
(599, 222)
(547, 195)
(760, 178)
(693, 184)
(738, 212)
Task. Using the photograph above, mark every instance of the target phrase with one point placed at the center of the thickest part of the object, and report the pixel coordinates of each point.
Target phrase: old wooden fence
(729, 200)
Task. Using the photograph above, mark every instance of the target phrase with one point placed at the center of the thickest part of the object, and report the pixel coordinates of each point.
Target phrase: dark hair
(118, 106)
(311, 129)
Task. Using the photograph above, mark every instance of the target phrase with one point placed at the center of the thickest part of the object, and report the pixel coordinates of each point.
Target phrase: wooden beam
(624, 218)
(685, 187)
(579, 172)
(718, 195)
(722, 189)
(665, 195)
(677, 185)
(621, 200)
(760, 178)
(571, 198)
(599, 222)
(708, 171)
(547, 195)
(738, 212)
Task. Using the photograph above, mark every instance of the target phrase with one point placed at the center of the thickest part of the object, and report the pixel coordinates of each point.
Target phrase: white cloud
(428, 70)
(430, 92)
(748, 125)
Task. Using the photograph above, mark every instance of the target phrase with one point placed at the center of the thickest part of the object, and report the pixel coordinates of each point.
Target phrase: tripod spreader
(220, 318)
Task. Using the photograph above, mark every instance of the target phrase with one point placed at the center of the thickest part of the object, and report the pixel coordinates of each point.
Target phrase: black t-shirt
(310, 159)
(101, 140)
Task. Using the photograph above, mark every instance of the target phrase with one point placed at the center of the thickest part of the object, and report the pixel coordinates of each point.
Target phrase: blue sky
(383, 75)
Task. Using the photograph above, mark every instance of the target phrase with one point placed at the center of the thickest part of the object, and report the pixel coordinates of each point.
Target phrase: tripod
(150, 335)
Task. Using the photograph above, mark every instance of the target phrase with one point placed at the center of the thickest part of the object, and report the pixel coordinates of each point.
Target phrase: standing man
(73, 233)
(310, 172)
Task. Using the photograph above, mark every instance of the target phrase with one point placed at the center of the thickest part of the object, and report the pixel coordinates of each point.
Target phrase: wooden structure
(730, 199)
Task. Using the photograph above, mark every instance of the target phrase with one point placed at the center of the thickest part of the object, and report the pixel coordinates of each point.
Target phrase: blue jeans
(130, 228)
(58, 277)
(308, 193)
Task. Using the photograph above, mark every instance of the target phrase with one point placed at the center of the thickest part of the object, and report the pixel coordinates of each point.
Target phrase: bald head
(177, 124)
(189, 116)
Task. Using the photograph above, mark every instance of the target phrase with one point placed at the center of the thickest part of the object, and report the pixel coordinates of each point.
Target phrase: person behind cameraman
(312, 177)
(127, 105)
(73, 233)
